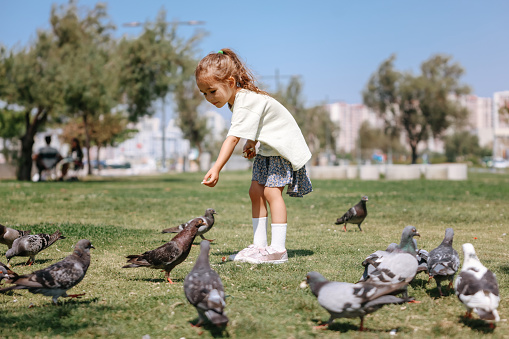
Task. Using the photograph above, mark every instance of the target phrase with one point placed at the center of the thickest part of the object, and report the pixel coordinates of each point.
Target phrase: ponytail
(220, 66)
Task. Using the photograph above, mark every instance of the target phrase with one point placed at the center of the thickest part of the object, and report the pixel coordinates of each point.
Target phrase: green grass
(124, 216)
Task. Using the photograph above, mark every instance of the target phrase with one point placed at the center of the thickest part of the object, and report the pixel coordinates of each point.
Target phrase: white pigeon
(477, 287)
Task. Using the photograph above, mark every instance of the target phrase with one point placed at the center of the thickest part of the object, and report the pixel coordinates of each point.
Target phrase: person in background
(47, 157)
(74, 159)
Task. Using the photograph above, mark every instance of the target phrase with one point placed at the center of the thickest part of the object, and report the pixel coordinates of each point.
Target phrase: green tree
(88, 64)
(376, 138)
(32, 81)
(462, 144)
(421, 106)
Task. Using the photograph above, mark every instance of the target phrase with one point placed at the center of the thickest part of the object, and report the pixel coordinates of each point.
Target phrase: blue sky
(333, 45)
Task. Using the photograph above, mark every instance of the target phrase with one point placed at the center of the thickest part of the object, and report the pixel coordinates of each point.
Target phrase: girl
(281, 157)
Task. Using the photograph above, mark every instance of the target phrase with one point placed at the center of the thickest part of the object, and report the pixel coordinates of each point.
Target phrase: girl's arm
(212, 176)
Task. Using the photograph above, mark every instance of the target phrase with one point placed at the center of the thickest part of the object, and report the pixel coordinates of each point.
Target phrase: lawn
(123, 216)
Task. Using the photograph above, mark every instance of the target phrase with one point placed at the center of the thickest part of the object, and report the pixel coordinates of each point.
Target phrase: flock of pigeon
(386, 275)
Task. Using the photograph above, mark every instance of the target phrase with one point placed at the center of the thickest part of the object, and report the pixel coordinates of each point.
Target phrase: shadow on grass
(476, 324)
(418, 282)
(215, 331)
(52, 320)
(446, 291)
(299, 253)
(37, 261)
(505, 269)
(336, 326)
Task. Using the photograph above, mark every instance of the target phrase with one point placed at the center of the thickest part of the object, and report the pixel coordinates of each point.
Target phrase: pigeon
(55, 280)
(374, 259)
(30, 245)
(398, 266)
(354, 215)
(169, 255)
(205, 291)
(208, 219)
(443, 261)
(5, 272)
(346, 300)
(477, 287)
(422, 260)
(8, 235)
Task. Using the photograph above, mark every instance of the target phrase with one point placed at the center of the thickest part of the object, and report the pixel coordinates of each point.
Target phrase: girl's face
(219, 93)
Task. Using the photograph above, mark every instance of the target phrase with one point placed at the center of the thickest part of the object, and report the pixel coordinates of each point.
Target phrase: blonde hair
(220, 66)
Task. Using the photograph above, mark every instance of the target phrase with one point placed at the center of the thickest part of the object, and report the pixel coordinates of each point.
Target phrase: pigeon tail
(172, 230)
(217, 319)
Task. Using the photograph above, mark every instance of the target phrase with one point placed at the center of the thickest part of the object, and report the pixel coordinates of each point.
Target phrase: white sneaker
(267, 256)
(246, 252)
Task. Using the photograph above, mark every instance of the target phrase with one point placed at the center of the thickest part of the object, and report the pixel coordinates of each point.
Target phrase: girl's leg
(259, 214)
(274, 196)
(258, 201)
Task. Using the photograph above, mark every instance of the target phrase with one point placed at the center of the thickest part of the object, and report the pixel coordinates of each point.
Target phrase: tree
(194, 127)
(315, 123)
(420, 105)
(105, 130)
(87, 63)
(462, 144)
(11, 127)
(32, 81)
(375, 138)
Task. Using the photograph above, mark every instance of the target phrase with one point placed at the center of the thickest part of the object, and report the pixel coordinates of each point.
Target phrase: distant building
(480, 118)
(501, 124)
(349, 118)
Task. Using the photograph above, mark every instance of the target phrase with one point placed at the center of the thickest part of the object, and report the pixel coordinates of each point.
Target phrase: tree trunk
(414, 154)
(87, 144)
(97, 158)
(24, 171)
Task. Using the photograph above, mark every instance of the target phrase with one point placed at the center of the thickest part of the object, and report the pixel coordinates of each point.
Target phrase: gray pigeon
(422, 260)
(355, 215)
(55, 280)
(477, 287)
(208, 219)
(169, 255)
(204, 289)
(8, 235)
(443, 261)
(374, 259)
(398, 266)
(346, 300)
(31, 245)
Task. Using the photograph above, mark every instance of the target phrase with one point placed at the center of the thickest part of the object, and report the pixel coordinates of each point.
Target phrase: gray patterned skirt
(275, 171)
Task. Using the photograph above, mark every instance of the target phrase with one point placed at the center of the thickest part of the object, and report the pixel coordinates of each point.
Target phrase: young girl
(281, 157)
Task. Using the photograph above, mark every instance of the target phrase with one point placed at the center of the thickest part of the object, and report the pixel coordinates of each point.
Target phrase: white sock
(260, 231)
(278, 237)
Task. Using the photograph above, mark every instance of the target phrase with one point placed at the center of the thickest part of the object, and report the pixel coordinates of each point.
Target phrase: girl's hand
(211, 178)
(249, 150)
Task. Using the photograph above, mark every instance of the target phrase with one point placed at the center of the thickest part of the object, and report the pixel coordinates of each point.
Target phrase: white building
(501, 125)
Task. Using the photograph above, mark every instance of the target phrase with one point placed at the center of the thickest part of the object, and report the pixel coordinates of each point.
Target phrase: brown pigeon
(30, 245)
(208, 219)
(55, 280)
(8, 235)
(169, 255)
(354, 215)
(205, 291)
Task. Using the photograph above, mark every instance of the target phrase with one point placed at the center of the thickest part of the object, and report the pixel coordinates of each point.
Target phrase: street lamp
(163, 111)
